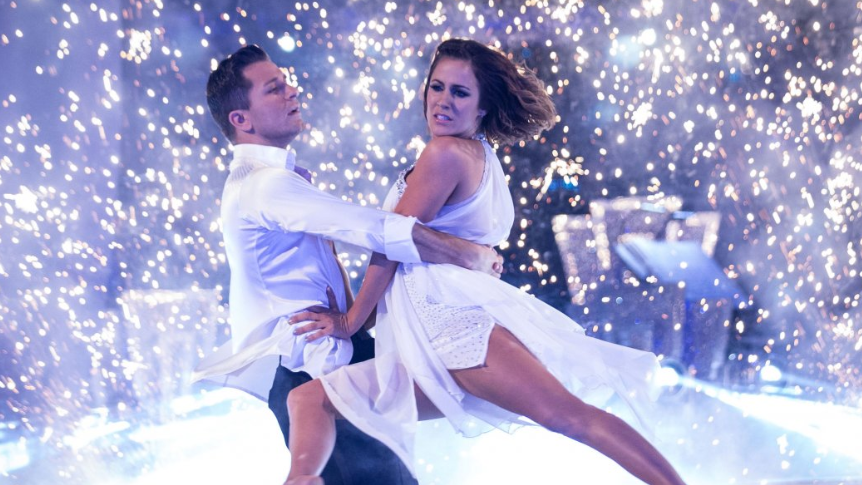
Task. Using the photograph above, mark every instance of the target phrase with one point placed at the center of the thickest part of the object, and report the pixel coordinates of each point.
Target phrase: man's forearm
(439, 247)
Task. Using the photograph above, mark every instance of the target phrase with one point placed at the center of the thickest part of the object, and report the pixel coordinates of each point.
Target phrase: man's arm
(284, 200)
(439, 247)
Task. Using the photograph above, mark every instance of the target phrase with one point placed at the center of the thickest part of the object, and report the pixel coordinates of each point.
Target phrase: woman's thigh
(514, 379)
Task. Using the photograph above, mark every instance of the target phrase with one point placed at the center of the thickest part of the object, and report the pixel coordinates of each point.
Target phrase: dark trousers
(357, 459)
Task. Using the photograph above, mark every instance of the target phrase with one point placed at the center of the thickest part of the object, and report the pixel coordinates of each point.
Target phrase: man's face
(273, 115)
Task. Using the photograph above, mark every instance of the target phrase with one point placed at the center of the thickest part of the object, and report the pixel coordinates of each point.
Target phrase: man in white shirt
(278, 229)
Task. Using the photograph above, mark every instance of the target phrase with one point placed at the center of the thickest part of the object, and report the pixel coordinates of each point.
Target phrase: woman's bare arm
(441, 167)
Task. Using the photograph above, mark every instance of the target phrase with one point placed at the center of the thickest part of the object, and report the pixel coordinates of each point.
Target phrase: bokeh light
(111, 169)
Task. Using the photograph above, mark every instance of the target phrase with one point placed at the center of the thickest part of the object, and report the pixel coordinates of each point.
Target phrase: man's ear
(240, 120)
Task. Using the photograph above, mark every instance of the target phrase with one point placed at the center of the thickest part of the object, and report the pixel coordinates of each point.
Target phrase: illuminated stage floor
(221, 437)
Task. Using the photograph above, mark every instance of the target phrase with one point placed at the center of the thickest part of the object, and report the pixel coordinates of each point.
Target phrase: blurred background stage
(700, 198)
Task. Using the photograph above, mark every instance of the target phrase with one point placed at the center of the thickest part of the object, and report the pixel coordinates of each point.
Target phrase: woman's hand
(319, 321)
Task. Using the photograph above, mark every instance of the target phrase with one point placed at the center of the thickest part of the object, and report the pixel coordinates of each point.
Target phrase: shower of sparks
(111, 170)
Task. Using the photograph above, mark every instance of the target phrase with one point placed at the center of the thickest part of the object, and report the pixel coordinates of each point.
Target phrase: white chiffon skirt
(378, 395)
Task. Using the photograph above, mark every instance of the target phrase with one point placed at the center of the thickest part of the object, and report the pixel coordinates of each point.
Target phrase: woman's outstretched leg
(515, 380)
(312, 433)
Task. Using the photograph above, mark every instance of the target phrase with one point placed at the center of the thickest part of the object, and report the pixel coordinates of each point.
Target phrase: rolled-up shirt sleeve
(398, 234)
(279, 199)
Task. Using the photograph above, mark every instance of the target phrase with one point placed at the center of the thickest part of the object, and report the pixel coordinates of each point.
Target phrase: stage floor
(219, 436)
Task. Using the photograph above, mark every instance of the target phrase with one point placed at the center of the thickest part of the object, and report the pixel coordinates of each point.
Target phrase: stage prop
(167, 334)
(640, 273)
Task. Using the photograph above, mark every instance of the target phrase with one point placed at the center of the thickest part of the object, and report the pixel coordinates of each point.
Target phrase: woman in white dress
(459, 344)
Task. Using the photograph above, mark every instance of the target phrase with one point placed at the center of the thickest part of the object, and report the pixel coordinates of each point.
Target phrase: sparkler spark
(111, 169)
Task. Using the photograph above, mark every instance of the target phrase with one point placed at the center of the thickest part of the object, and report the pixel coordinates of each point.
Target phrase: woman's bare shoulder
(448, 150)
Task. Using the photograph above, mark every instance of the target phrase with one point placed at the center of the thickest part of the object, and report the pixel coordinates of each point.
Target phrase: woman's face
(453, 100)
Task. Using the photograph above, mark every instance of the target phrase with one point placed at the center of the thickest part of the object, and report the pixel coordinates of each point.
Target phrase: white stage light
(770, 373)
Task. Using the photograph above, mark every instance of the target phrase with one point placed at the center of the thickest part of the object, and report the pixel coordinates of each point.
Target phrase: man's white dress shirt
(276, 229)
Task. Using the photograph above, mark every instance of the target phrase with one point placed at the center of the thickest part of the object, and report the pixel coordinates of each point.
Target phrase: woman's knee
(309, 394)
(578, 422)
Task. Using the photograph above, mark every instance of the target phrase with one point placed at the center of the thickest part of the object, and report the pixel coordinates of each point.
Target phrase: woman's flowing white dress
(438, 315)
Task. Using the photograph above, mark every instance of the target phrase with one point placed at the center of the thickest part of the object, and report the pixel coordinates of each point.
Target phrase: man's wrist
(478, 257)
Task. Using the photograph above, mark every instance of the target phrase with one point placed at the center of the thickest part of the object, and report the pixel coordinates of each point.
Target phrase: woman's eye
(436, 87)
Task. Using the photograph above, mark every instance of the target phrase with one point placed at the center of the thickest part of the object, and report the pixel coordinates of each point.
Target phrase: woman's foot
(304, 480)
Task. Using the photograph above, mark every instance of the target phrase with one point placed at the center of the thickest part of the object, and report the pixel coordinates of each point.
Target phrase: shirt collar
(272, 156)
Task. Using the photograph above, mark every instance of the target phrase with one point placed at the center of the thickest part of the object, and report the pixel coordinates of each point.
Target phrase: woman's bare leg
(515, 380)
(312, 433)
(312, 430)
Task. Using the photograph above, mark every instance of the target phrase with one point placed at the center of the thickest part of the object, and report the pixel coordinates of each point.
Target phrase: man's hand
(439, 247)
(320, 321)
(488, 261)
